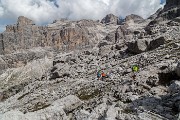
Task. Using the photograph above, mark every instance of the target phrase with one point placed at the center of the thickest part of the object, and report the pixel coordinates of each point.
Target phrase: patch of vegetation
(85, 94)
(127, 110)
(13, 90)
(39, 106)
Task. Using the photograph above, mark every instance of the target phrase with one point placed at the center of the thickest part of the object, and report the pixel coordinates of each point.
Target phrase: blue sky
(163, 1)
(45, 11)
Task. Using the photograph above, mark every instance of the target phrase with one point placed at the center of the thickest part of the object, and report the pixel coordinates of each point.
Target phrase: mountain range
(50, 72)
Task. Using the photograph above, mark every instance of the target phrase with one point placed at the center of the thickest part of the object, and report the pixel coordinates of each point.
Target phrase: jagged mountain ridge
(46, 83)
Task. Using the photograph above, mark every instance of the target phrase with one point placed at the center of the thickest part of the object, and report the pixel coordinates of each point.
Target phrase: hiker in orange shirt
(103, 75)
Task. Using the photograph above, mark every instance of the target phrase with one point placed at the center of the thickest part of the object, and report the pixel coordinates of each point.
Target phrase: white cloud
(43, 11)
(2, 28)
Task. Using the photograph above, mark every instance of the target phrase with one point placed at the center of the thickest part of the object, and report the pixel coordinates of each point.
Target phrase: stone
(138, 46)
(99, 111)
(105, 51)
(174, 87)
(142, 45)
(177, 19)
(112, 113)
(82, 115)
(101, 44)
(155, 43)
(178, 69)
(1, 96)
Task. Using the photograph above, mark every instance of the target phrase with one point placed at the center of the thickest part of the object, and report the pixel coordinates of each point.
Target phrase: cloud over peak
(44, 11)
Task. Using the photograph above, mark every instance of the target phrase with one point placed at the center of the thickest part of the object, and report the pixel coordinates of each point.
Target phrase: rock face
(133, 18)
(171, 3)
(171, 9)
(111, 19)
(60, 35)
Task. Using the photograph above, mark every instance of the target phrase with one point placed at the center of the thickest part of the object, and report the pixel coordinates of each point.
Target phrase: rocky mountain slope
(50, 72)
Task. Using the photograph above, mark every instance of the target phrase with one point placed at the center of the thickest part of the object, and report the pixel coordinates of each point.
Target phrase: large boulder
(155, 43)
(142, 45)
(138, 46)
(171, 3)
(56, 111)
(105, 50)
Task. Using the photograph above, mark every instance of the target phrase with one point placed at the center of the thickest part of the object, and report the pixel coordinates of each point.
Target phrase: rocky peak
(22, 21)
(110, 19)
(133, 18)
(171, 3)
(171, 10)
(61, 34)
(153, 16)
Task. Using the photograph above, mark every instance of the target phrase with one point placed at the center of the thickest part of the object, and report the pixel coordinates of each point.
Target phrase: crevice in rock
(166, 78)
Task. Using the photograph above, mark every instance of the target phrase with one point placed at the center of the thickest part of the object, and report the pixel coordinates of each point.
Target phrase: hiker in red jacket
(103, 75)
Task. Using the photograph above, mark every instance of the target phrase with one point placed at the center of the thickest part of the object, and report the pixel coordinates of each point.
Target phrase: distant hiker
(135, 69)
(99, 75)
(103, 76)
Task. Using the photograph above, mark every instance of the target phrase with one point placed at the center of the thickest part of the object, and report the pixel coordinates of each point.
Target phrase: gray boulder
(178, 69)
(155, 43)
(138, 46)
(174, 87)
(142, 45)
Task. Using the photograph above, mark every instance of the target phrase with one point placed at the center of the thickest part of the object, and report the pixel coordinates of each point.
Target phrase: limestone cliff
(67, 35)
